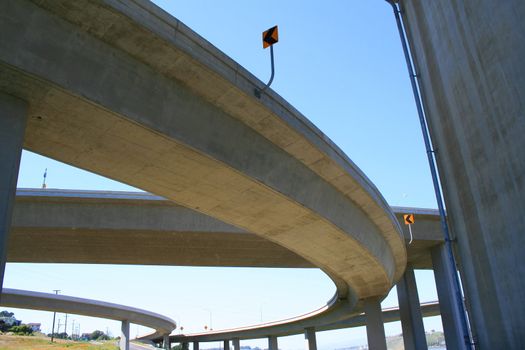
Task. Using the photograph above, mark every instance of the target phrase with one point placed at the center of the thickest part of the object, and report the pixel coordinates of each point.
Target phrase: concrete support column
(226, 345)
(375, 331)
(450, 316)
(309, 339)
(13, 119)
(195, 345)
(410, 312)
(124, 335)
(272, 343)
(236, 344)
(166, 341)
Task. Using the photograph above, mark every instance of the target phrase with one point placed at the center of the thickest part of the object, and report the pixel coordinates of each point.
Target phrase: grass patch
(12, 342)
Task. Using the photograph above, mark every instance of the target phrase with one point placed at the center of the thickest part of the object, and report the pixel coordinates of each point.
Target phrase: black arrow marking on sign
(268, 36)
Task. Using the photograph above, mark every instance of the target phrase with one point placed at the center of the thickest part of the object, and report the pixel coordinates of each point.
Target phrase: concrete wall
(470, 55)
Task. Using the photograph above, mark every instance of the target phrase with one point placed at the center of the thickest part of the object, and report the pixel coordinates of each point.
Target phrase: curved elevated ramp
(108, 227)
(428, 309)
(122, 89)
(25, 299)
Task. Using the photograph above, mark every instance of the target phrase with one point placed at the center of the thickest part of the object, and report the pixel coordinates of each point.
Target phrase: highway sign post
(269, 37)
(409, 220)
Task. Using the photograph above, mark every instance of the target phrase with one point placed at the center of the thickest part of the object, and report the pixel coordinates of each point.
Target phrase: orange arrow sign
(409, 219)
(270, 37)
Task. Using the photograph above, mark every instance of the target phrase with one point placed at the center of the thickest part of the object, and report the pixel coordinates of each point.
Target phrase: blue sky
(339, 63)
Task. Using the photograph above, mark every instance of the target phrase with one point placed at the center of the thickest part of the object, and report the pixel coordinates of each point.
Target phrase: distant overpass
(79, 306)
(428, 309)
(163, 325)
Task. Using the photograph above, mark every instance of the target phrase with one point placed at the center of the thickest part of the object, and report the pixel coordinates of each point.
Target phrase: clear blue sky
(338, 62)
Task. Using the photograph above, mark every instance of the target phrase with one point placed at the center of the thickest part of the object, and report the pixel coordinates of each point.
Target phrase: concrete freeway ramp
(26, 299)
(108, 227)
(87, 227)
(122, 89)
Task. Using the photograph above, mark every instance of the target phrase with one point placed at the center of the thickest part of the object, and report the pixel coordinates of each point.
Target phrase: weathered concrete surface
(310, 339)
(124, 90)
(470, 55)
(411, 320)
(272, 343)
(13, 116)
(124, 335)
(450, 314)
(62, 303)
(375, 329)
(61, 226)
(69, 226)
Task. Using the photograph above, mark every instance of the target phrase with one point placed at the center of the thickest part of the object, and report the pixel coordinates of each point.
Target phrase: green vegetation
(98, 335)
(12, 342)
(8, 323)
(95, 335)
(21, 330)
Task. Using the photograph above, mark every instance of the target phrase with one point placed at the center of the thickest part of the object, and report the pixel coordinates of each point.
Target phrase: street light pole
(54, 316)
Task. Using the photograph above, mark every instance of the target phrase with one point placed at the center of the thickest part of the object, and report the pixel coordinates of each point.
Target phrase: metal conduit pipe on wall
(437, 188)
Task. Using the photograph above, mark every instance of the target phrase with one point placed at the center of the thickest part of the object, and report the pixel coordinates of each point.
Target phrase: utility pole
(58, 330)
(54, 315)
(65, 327)
(73, 330)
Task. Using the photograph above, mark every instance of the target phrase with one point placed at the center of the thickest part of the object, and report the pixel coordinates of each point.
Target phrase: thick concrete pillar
(195, 345)
(236, 344)
(272, 343)
(375, 331)
(450, 316)
(309, 339)
(13, 118)
(124, 335)
(469, 58)
(166, 341)
(226, 345)
(410, 312)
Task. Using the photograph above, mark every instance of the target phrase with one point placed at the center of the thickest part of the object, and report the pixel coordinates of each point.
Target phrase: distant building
(34, 326)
